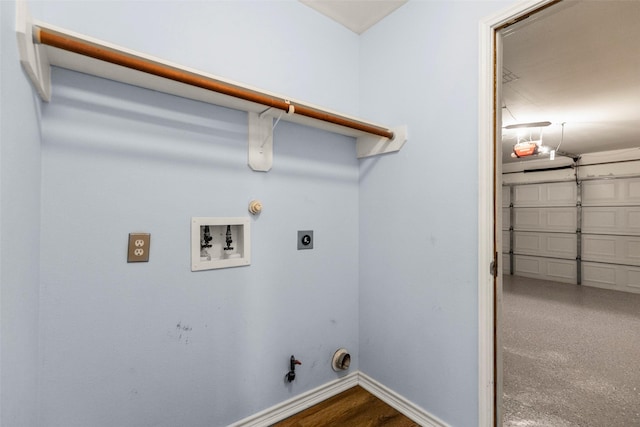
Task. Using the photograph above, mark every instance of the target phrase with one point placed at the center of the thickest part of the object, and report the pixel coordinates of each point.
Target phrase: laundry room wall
(19, 232)
(419, 236)
(154, 343)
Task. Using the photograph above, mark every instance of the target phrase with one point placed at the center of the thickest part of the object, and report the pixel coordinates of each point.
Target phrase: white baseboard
(299, 403)
(399, 403)
(306, 400)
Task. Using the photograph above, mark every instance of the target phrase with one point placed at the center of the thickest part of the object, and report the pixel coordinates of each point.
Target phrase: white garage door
(587, 233)
(611, 234)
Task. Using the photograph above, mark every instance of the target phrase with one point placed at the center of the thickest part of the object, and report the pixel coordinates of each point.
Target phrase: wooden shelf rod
(46, 37)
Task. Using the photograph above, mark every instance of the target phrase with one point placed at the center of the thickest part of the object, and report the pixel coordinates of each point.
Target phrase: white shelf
(38, 58)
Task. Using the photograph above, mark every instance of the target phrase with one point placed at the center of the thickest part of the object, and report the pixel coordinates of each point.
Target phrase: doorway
(489, 199)
(490, 173)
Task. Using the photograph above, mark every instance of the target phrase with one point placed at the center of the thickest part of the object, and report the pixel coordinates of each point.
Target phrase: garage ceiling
(576, 63)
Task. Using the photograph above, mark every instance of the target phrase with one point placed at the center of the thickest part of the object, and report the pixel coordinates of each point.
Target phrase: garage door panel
(565, 245)
(550, 194)
(545, 268)
(527, 219)
(598, 247)
(561, 219)
(633, 279)
(632, 249)
(611, 192)
(614, 249)
(611, 220)
(633, 191)
(545, 244)
(527, 243)
(545, 219)
(559, 269)
(633, 219)
(599, 192)
(526, 265)
(599, 219)
(617, 277)
(527, 195)
(603, 274)
(563, 193)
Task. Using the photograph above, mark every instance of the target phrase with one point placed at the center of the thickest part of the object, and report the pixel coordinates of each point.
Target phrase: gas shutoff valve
(291, 375)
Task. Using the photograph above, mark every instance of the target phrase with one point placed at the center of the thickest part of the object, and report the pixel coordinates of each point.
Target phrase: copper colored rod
(52, 39)
(342, 121)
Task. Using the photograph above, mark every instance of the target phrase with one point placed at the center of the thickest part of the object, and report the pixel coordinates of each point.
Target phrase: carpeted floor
(571, 355)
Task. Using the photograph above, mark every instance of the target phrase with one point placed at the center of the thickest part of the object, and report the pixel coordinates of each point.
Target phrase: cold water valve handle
(291, 375)
(228, 240)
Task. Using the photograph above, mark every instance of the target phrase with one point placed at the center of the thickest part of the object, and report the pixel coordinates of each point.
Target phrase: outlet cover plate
(305, 239)
(139, 244)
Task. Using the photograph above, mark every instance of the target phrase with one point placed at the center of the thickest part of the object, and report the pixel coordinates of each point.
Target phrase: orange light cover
(523, 149)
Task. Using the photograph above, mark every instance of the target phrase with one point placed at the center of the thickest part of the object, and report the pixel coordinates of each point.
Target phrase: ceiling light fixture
(533, 147)
(529, 147)
(526, 148)
(528, 125)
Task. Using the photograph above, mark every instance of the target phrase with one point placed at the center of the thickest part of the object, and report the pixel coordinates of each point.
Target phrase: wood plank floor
(355, 407)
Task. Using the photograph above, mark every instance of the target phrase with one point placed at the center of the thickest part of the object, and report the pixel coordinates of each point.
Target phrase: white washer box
(220, 243)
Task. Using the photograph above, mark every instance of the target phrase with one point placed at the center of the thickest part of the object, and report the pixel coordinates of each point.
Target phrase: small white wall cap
(255, 207)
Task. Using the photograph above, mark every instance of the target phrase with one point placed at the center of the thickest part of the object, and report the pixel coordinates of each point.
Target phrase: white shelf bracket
(266, 112)
(372, 145)
(32, 57)
(260, 142)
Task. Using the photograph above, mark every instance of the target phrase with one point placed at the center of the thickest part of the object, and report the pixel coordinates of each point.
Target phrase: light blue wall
(279, 46)
(418, 228)
(154, 343)
(19, 232)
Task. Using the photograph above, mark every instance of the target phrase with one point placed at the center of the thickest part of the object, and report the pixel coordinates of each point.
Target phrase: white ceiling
(356, 15)
(579, 63)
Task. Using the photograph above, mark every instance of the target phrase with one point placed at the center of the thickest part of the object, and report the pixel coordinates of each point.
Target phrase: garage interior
(570, 216)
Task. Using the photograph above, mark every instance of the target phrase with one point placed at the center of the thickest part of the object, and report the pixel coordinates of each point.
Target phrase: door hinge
(493, 267)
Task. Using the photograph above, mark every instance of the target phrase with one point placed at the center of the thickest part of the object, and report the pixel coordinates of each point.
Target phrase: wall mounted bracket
(33, 57)
(260, 151)
(372, 145)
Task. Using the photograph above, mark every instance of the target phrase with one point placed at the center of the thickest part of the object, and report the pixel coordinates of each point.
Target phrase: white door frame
(487, 185)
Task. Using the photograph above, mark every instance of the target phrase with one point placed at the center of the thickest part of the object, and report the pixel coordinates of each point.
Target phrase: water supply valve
(228, 240)
(291, 375)
(206, 238)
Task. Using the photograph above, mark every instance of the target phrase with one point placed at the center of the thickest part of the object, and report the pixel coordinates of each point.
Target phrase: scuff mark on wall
(181, 331)
(184, 328)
